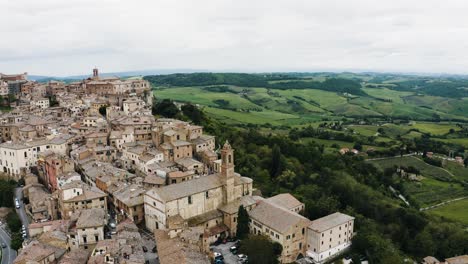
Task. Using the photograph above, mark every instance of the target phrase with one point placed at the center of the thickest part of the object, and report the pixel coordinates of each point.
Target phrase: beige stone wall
(93, 235)
(182, 152)
(67, 208)
(331, 238)
(293, 240)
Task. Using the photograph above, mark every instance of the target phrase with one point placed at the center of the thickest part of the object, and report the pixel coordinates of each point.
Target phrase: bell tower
(227, 172)
(95, 73)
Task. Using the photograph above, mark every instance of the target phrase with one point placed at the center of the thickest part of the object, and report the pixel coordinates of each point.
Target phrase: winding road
(8, 254)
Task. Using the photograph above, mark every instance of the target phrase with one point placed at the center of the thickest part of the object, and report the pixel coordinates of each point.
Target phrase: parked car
(242, 258)
(4, 245)
(218, 255)
(219, 261)
(233, 249)
(145, 249)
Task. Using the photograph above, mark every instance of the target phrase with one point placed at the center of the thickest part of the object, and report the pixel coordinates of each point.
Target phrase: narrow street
(21, 211)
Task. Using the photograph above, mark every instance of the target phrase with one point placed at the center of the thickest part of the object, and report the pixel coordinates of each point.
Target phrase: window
(96, 238)
(206, 195)
(300, 245)
(235, 219)
(288, 237)
(190, 199)
(303, 231)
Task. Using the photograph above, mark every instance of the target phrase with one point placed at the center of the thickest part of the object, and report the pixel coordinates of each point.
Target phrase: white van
(17, 204)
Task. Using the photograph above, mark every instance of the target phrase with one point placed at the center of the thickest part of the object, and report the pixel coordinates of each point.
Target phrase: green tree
(242, 223)
(103, 110)
(165, 108)
(53, 101)
(13, 222)
(423, 245)
(192, 112)
(16, 241)
(260, 249)
(276, 161)
(287, 179)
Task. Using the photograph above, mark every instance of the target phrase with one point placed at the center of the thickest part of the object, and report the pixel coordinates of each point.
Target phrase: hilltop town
(104, 180)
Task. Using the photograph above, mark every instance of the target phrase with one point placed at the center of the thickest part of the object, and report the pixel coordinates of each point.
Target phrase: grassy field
(459, 141)
(435, 129)
(456, 169)
(430, 191)
(457, 211)
(263, 117)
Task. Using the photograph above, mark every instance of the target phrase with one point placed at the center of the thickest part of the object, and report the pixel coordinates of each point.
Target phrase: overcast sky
(58, 37)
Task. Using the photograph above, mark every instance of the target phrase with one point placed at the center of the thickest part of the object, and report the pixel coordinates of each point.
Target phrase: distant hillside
(272, 81)
(299, 98)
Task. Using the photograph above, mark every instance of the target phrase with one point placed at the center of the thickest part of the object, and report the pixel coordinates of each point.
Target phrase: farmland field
(425, 169)
(437, 185)
(435, 129)
(430, 191)
(314, 104)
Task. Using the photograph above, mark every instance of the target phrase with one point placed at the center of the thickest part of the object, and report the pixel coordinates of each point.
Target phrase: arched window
(229, 159)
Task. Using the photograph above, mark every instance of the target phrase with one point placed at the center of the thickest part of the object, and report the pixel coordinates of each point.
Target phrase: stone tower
(227, 172)
(95, 73)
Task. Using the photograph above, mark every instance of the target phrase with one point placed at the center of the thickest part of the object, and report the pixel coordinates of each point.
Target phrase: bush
(13, 222)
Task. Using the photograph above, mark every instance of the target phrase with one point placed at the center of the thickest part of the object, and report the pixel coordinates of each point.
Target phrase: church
(209, 202)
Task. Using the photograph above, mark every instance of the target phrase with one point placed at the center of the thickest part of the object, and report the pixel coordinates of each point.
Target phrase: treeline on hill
(451, 87)
(256, 80)
(387, 230)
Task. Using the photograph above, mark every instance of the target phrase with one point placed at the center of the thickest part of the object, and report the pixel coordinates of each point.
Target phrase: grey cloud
(59, 37)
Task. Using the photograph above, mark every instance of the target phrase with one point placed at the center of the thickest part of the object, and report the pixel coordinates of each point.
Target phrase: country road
(397, 156)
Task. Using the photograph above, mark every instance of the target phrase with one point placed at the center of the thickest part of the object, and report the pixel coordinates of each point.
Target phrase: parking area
(229, 258)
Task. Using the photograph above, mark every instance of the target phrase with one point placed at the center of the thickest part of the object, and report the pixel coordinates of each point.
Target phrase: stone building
(329, 236)
(77, 196)
(197, 202)
(89, 228)
(281, 225)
